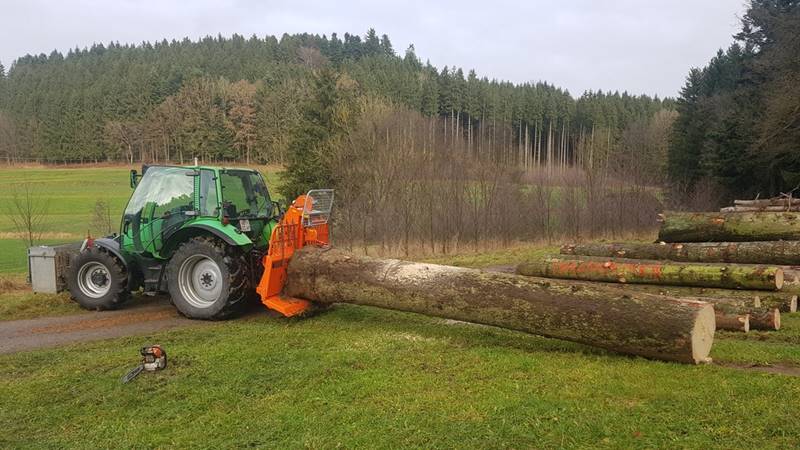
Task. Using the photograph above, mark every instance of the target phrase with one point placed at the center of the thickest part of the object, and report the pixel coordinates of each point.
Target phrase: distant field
(72, 194)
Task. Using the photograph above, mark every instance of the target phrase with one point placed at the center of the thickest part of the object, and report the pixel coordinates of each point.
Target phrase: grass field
(70, 194)
(364, 377)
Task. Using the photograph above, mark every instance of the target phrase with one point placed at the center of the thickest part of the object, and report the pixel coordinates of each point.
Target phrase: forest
(738, 128)
(241, 99)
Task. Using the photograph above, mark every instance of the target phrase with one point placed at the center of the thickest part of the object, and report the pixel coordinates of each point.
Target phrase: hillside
(237, 98)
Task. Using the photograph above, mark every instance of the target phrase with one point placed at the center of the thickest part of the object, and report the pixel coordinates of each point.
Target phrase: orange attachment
(292, 233)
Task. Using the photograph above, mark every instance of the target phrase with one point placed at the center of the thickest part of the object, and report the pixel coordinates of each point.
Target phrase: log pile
(744, 260)
(733, 271)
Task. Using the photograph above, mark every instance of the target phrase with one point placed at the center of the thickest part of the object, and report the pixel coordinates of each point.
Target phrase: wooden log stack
(744, 259)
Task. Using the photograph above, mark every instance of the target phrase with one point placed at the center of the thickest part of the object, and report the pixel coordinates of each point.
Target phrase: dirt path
(150, 317)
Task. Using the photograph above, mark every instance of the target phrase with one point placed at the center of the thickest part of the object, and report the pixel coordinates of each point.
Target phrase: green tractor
(198, 233)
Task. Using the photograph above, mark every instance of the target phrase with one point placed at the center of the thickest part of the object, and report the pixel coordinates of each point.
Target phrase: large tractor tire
(98, 280)
(208, 279)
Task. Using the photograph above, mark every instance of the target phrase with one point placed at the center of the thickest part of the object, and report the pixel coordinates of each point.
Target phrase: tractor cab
(169, 199)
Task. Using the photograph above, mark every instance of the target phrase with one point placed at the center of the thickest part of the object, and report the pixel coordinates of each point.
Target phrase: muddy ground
(135, 318)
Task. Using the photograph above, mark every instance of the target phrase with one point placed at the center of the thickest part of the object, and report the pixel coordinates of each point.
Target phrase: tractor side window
(244, 194)
(176, 195)
(162, 190)
(209, 202)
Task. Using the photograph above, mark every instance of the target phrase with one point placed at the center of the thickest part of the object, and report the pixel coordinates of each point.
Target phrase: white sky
(642, 46)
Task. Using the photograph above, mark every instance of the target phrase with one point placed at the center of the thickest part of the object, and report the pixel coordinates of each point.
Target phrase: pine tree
(310, 146)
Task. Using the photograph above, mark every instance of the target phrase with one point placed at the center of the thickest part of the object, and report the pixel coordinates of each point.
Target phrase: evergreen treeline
(244, 99)
(738, 126)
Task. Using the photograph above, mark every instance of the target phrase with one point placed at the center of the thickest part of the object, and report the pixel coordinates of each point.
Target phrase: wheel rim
(200, 281)
(94, 279)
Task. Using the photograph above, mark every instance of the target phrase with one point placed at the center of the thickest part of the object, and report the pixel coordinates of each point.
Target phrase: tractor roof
(215, 168)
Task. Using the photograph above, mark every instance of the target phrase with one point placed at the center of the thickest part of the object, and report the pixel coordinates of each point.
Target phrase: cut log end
(779, 279)
(705, 325)
(768, 319)
(732, 322)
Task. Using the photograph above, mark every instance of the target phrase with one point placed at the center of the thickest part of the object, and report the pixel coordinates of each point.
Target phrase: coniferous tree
(308, 166)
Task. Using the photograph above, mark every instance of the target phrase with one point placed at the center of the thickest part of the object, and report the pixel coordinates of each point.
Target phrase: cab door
(162, 202)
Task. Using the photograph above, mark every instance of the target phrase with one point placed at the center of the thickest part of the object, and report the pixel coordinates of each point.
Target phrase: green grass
(361, 377)
(70, 194)
(17, 305)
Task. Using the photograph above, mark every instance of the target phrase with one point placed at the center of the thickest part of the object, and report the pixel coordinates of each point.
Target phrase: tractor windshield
(244, 195)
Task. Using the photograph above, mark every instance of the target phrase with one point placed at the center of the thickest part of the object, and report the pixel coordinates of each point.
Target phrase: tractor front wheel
(98, 280)
(207, 279)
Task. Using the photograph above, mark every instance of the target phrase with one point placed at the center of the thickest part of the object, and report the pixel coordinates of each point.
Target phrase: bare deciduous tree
(101, 218)
(28, 212)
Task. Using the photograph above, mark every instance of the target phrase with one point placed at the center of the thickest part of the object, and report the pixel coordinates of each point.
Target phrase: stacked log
(641, 324)
(745, 260)
(734, 227)
(764, 252)
(621, 270)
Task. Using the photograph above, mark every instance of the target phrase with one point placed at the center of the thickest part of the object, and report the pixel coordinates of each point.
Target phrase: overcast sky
(642, 46)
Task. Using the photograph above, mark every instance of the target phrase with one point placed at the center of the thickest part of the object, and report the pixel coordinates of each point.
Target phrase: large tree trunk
(639, 324)
(764, 315)
(728, 308)
(736, 227)
(760, 252)
(745, 298)
(620, 270)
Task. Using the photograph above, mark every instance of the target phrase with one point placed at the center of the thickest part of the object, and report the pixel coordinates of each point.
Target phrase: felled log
(621, 270)
(781, 302)
(732, 322)
(727, 308)
(759, 252)
(744, 298)
(767, 319)
(668, 329)
(735, 227)
(742, 209)
(777, 201)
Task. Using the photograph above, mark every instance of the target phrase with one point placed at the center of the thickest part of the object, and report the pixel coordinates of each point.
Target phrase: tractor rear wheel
(98, 280)
(208, 279)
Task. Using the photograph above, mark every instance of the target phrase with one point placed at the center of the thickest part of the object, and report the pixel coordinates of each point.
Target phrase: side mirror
(277, 211)
(134, 178)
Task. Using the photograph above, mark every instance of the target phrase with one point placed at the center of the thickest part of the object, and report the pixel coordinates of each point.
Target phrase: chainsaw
(153, 358)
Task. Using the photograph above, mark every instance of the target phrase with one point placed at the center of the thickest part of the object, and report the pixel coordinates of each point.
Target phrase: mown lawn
(363, 377)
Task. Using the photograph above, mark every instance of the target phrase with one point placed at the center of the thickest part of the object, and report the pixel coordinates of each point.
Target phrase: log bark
(735, 227)
(759, 252)
(744, 298)
(668, 329)
(732, 322)
(762, 316)
(782, 302)
(777, 201)
(621, 270)
(767, 319)
(741, 209)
